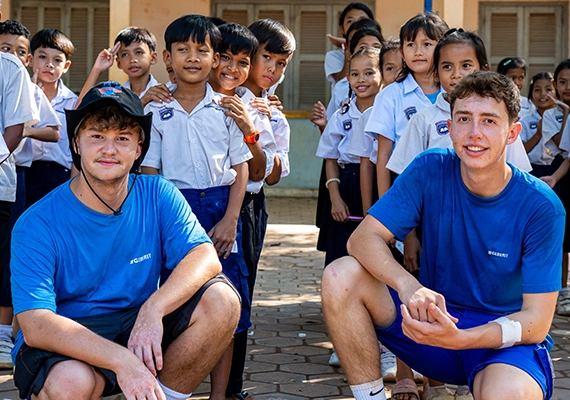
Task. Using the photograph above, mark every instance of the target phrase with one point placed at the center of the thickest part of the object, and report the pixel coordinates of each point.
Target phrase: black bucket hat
(103, 95)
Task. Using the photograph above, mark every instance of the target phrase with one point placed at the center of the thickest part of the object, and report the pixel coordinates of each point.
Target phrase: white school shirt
(17, 106)
(393, 108)
(339, 96)
(428, 130)
(361, 145)
(334, 62)
(195, 150)
(335, 140)
(527, 107)
(282, 134)
(551, 125)
(266, 138)
(24, 153)
(152, 82)
(58, 152)
(539, 154)
(271, 91)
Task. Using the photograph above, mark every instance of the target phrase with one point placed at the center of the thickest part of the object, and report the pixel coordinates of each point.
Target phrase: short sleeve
(550, 126)
(153, 157)
(412, 142)
(18, 105)
(516, 155)
(382, 120)
(238, 151)
(334, 62)
(330, 139)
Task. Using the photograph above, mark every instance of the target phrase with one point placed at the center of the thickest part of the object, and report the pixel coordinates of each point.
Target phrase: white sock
(172, 394)
(369, 391)
(6, 333)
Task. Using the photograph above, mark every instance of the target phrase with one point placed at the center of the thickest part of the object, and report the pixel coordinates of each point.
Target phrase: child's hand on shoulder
(237, 110)
(106, 58)
(559, 103)
(275, 102)
(550, 180)
(262, 105)
(319, 115)
(159, 93)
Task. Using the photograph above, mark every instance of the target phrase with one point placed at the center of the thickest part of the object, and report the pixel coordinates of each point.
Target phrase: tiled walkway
(289, 347)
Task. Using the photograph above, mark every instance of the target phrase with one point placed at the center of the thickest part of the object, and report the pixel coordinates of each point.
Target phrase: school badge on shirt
(559, 118)
(166, 113)
(534, 125)
(347, 125)
(441, 127)
(410, 111)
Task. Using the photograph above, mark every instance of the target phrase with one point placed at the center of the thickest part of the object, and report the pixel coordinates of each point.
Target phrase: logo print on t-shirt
(347, 125)
(441, 127)
(534, 125)
(410, 111)
(166, 113)
(559, 118)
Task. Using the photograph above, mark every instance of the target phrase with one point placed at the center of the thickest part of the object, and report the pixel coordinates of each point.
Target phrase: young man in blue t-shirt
(85, 282)
(491, 241)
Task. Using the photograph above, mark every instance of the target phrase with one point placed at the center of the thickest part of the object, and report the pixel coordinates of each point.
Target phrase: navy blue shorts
(459, 367)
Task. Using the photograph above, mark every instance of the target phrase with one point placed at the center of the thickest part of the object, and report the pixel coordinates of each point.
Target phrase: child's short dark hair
(52, 39)
(354, 6)
(217, 21)
(274, 36)
(136, 34)
(389, 45)
(359, 34)
(10, 27)
(492, 85)
(195, 27)
(541, 75)
(237, 39)
(509, 63)
(363, 23)
(564, 64)
(459, 36)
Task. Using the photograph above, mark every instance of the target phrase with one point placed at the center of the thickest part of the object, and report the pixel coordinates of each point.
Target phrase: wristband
(511, 331)
(331, 180)
(252, 138)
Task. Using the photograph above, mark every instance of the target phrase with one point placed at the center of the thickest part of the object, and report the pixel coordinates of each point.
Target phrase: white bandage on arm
(511, 331)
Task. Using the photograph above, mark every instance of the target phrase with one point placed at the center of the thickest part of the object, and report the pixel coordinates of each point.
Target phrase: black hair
(195, 27)
(363, 23)
(509, 63)
(274, 36)
(10, 27)
(541, 75)
(359, 34)
(433, 26)
(52, 39)
(563, 65)
(237, 39)
(354, 6)
(459, 36)
(217, 21)
(389, 45)
(370, 52)
(136, 34)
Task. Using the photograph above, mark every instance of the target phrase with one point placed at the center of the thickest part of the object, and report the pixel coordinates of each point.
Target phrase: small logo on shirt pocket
(410, 111)
(166, 113)
(534, 125)
(347, 125)
(559, 118)
(441, 127)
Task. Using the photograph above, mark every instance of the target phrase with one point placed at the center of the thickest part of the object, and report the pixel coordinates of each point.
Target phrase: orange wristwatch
(252, 138)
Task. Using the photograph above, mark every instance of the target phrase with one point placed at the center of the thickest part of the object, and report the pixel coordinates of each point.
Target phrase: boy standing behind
(51, 52)
(135, 49)
(202, 151)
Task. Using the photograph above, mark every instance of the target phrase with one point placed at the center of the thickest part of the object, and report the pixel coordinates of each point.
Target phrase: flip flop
(406, 386)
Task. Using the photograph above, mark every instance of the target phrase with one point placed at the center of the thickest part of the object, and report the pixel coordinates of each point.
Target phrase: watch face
(256, 137)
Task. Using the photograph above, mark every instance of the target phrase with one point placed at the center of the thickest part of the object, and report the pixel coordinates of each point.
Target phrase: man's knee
(72, 380)
(221, 303)
(341, 278)
(505, 382)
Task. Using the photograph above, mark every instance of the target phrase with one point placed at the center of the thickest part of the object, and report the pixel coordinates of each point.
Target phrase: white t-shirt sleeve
(282, 133)
(153, 157)
(412, 142)
(565, 139)
(516, 155)
(48, 116)
(382, 119)
(334, 62)
(330, 139)
(238, 150)
(550, 126)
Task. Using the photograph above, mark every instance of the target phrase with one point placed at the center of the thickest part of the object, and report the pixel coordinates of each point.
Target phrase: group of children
(216, 134)
(393, 106)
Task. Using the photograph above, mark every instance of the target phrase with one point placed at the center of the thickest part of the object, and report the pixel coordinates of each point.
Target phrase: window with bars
(536, 32)
(305, 81)
(86, 23)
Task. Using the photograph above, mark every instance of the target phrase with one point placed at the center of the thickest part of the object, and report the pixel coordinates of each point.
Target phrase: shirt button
(192, 141)
(203, 194)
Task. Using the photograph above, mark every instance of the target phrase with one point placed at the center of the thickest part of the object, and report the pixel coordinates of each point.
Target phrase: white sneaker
(334, 361)
(5, 357)
(563, 304)
(388, 365)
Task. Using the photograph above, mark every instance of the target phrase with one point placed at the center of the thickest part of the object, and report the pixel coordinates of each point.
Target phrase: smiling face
(418, 53)
(541, 92)
(50, 63)
(563, 85)
(517, 75)
(135, 59)
(192, 61)
(231, 72)
(364, 76)
(16, 45)
(480, 131)
(266, 70)
(456, 61)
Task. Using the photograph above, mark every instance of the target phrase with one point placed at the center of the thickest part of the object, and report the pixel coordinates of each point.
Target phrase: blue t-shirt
(479, 253)
(77, 262)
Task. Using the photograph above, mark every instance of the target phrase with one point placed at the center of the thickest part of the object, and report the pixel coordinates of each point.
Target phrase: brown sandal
(407, 386)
